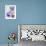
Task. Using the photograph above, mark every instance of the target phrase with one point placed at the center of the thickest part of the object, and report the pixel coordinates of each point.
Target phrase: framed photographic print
(32, 32)
(10, 11)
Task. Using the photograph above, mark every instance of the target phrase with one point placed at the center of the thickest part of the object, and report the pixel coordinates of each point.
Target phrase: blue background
(27, 12)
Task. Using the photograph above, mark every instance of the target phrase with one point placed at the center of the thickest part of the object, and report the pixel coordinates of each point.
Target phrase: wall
(31, 11)
(6, 26)
(27, 11)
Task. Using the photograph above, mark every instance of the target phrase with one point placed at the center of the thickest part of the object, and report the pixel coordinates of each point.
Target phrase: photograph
(10, 11)
(28, 33)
